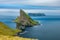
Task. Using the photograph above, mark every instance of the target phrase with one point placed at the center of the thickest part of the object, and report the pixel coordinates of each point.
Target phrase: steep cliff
(7, 33)
(25, 19)
(5, 30)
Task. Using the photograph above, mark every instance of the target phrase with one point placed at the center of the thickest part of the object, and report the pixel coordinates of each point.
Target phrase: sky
(49, 7)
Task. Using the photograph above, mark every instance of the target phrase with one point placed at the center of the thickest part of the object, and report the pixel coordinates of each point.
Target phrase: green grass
(32, 22)
(30, 19)
(5, 30)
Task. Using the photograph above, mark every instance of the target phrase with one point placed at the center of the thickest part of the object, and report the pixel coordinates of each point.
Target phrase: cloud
(42, 2)
(32, 2)
(16, 12)
(9, 12)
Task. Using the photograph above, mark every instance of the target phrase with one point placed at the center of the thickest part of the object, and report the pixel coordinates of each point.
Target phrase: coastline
(4, 37)
(7, 33)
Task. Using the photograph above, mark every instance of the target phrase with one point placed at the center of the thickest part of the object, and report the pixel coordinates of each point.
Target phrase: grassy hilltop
(5, 30)
(25, 16)
(6, 33)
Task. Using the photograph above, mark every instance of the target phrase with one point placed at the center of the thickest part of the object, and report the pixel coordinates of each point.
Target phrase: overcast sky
(32, 2)
(49, 7)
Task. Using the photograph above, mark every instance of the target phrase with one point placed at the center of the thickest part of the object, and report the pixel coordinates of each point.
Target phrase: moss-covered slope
(5, 30)
(27, 17)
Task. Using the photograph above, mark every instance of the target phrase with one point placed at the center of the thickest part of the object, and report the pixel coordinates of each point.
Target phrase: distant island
(36, 14)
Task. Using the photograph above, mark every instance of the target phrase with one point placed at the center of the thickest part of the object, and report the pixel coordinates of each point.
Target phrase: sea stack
(24, 20)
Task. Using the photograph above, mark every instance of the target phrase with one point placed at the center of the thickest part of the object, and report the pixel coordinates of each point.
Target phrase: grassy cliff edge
(5, 30)
(7, 33)
(30, 21)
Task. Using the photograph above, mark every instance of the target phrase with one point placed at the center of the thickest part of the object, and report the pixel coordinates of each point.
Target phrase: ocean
(48, 30)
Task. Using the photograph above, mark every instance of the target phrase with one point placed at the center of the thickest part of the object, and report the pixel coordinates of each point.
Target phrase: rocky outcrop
(24, 20)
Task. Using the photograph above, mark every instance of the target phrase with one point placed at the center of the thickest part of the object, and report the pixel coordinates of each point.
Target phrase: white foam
(23, 32)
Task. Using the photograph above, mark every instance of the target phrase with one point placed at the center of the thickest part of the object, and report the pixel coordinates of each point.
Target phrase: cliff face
(24, 20)
(5, 30)
(7, 33)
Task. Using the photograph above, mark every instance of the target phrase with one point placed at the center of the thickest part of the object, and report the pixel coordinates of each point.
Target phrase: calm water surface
(48, 30)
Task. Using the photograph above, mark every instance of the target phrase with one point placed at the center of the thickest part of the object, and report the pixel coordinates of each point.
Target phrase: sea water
(48, 30)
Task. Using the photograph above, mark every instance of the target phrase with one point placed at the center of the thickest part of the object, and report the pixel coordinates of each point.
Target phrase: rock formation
(24, 20)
